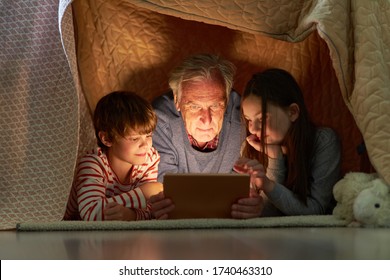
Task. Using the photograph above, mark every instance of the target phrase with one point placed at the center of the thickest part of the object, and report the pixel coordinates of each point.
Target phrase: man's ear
(103, 136)
(293, 112)
(176, 102)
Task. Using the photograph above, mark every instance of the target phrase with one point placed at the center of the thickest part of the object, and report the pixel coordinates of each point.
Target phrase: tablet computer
(199, 195)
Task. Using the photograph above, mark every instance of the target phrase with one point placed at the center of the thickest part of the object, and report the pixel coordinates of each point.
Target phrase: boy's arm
(143, 214)
(148, 183)
(148, 189)
(152, 188)
(91, 191)
(116, 212)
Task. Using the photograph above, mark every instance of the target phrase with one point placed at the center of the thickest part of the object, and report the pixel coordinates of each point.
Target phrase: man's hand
(161, 206)
(247, 208)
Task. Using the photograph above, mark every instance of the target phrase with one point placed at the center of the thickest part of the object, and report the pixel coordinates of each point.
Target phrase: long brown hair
(278, 87)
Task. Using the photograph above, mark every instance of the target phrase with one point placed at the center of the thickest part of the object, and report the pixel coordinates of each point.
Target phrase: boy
(114, 181)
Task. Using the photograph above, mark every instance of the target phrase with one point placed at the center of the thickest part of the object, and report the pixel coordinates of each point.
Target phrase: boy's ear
(103, 136)
(293, 112)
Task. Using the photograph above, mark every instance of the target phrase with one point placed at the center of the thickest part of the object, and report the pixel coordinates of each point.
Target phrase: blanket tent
(59, 57)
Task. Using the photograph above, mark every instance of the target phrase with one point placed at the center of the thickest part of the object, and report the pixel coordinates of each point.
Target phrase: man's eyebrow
(201, 103)
(189, 102)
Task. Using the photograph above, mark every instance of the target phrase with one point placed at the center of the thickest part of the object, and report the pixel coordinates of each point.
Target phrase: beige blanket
(58, 59)
(339, 55)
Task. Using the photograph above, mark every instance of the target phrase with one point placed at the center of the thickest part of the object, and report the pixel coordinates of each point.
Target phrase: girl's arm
(325, 173)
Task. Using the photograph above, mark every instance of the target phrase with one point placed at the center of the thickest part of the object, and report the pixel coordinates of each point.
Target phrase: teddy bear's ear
(361, 176)
(379, 188)
(338, 189)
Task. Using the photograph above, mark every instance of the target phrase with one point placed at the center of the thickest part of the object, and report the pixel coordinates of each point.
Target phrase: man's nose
(206, 116)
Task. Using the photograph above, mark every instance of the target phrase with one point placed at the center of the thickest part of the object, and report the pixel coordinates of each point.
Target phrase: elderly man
(199, 128)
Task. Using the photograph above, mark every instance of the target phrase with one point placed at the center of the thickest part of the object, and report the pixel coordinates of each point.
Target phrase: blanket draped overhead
(58, 58)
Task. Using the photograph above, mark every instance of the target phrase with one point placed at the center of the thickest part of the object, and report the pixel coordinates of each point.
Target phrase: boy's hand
(117, 212)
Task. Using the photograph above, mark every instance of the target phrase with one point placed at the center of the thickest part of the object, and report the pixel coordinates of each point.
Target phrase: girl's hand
(271, 150)
(259, 180)
(254, 142)
(161, 206)
(247, 208)
(117, 212)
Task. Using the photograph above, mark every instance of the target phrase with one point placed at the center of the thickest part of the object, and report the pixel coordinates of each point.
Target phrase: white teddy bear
(372, 205)
(346, 190)
(362, 200)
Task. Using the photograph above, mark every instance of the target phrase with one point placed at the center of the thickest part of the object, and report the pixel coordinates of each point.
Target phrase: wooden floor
(266, 243)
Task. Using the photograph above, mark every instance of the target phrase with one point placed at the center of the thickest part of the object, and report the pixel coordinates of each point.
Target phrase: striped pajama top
(96, 184)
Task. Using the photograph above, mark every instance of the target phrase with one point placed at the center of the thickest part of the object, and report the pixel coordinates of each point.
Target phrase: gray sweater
(178, 156)
(325, 173)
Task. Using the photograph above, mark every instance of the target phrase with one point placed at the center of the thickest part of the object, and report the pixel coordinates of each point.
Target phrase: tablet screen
(204, 195)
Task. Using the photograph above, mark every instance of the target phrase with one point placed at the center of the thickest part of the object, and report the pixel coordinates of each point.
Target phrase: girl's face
(278, 120)
(131, 149)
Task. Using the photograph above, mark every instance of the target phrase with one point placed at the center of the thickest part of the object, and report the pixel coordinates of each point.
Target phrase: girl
(293, 164)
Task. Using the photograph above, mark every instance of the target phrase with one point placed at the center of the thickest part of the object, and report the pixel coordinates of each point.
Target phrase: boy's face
(131, 149)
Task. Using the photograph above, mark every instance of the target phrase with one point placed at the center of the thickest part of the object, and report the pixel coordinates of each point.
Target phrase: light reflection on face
(203, 106)
(131, 149)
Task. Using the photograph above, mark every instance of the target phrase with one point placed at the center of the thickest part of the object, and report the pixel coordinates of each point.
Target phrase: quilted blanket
(59, 57)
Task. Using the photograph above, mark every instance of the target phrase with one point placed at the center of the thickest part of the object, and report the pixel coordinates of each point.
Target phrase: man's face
(202, 106)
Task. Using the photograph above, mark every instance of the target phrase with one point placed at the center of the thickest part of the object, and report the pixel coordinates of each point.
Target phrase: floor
(265, 243)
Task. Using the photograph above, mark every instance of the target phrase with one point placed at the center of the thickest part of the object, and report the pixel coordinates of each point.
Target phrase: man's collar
(210, 145)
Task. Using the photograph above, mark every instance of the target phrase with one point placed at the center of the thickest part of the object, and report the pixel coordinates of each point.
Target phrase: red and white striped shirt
(96, 184)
